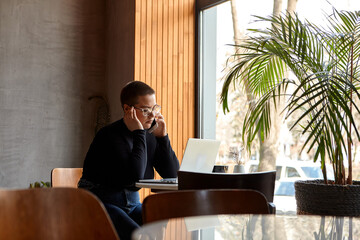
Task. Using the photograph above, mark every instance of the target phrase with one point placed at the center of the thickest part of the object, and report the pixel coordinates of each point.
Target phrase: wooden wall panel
(165, 59)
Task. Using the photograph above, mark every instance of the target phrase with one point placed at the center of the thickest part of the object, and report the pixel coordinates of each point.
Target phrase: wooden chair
(65, 177)
(263, 182)
(53, 213)
(175, 204)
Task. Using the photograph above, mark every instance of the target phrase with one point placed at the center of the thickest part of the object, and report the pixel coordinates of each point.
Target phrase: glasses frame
(146, 112)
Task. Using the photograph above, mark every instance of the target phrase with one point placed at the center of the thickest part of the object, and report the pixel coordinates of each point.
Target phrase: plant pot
(239, 169)
(315, 197)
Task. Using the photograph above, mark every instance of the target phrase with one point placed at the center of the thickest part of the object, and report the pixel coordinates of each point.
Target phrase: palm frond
(325, 61)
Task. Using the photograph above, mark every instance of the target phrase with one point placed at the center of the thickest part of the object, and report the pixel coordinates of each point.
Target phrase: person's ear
(127, 108)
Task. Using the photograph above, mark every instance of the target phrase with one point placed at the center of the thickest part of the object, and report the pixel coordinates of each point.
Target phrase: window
(214, 50)
(215, 37)
(312, 172)
(291, 172)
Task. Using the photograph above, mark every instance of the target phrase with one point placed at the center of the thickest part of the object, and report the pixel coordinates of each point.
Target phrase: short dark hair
(132, 90)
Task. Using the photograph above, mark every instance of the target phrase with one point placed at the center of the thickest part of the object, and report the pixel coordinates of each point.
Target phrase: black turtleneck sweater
(117, 157)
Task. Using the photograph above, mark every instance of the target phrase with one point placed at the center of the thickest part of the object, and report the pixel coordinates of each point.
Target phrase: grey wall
(52, 59)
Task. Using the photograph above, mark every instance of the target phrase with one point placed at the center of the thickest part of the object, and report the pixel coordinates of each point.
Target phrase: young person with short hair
(124, 152)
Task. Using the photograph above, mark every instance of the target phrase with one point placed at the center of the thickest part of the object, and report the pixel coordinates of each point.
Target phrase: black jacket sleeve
(166, 162)
(117, 158)
(127, 156)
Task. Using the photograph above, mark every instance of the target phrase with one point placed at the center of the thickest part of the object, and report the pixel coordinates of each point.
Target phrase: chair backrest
(53, 213)
(65, 177)
(263, 182)
(165, 205)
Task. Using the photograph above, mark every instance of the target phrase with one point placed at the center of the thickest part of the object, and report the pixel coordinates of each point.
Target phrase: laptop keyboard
(168, 180)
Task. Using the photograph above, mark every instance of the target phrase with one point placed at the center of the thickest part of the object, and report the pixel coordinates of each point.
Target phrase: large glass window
(217, 35)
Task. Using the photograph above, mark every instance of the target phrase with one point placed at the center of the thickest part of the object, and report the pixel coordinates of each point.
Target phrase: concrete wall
(52, 59)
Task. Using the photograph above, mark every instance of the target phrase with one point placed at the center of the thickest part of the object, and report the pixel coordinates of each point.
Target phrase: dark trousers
(123, 207)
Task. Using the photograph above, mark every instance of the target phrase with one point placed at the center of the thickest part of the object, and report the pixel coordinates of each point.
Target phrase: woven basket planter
(315, 197)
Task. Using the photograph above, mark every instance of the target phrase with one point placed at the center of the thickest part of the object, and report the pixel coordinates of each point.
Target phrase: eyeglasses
(147, 111)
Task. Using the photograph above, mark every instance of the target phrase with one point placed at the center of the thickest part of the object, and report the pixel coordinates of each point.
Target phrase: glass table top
(252, 227)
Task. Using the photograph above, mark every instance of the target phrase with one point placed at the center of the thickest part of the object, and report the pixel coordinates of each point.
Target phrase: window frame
(201, 5)
(204, 4)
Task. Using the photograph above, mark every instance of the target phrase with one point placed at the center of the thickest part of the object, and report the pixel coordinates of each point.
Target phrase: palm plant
(325, 61)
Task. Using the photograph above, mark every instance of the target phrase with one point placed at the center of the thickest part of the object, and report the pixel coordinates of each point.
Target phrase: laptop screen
(200, 155)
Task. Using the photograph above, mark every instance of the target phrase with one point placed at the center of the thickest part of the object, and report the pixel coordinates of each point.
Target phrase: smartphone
(154, 125)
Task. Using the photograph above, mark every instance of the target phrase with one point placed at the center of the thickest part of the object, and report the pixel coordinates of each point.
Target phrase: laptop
(199, 156)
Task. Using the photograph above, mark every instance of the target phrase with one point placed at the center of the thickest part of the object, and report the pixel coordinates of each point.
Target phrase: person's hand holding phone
(131, 120)
(160, 130)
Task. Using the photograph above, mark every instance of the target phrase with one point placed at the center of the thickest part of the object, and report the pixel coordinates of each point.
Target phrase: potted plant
(40, 184)
(325, 62)
(236, 155)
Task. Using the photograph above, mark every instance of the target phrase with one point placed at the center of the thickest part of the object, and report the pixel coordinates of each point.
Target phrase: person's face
(147, 101)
